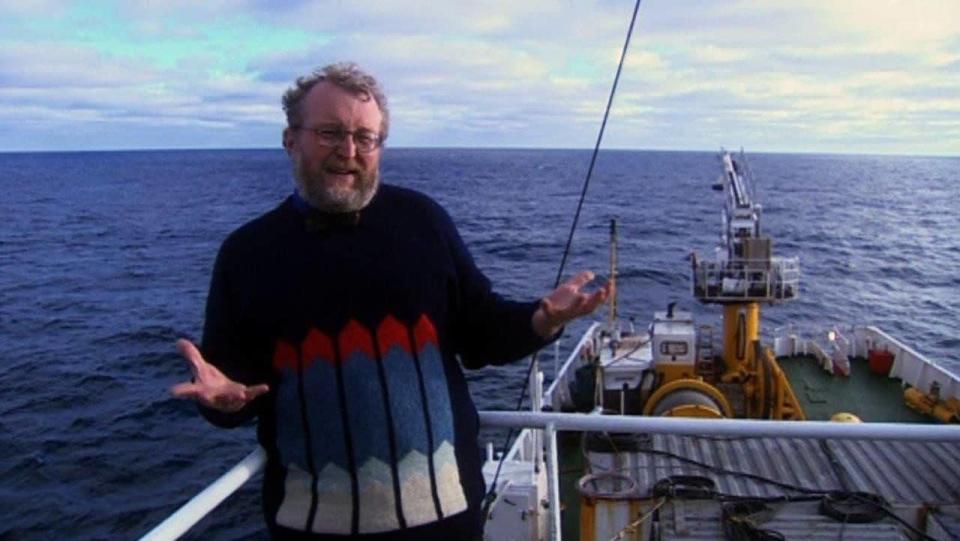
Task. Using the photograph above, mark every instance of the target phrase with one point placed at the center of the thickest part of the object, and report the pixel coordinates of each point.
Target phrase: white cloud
(55, 65)
(788, 75)
(892, 25)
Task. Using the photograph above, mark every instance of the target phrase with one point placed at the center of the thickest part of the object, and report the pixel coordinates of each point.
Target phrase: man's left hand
(567, 303)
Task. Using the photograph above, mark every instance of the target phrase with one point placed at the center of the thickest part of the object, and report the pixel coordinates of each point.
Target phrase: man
(337, 319)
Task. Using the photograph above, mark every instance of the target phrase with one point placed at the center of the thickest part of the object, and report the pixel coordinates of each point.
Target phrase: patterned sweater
(357, 326)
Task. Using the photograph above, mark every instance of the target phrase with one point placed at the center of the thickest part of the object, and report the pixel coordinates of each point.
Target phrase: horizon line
(479, 147)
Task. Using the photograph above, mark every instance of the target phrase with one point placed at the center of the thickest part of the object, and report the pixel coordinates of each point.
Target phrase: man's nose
(347, 147)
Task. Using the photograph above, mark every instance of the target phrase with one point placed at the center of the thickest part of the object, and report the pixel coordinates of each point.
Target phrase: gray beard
(337, 201)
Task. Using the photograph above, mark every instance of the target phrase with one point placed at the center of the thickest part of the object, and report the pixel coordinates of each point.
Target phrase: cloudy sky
(847, 76)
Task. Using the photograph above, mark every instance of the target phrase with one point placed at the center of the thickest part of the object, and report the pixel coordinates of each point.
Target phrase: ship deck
(916, 479)
(920, 481)
(870, 396)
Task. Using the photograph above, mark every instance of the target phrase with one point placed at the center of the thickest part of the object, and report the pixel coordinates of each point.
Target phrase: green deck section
(871, 397)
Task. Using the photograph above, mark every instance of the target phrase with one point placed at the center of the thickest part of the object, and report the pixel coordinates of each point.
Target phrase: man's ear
(287, 140)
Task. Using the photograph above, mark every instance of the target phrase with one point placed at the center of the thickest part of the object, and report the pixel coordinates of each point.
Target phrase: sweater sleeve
(488, 328)
(225, 338)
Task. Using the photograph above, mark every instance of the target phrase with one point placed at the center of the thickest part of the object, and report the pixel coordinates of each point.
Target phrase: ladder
(705, 367)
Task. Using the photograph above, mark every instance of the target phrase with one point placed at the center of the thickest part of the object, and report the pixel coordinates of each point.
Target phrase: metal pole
(721, 427)
(553, 482)
(536, 405)
(200, 505)
(556, 359)
(587, 336)
(613, 276)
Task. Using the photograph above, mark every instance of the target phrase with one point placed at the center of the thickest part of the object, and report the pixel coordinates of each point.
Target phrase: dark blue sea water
(105, 260)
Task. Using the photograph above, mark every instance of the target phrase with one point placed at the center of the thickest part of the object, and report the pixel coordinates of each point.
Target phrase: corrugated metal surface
(944, 523)
(904, 473)
(701, 520)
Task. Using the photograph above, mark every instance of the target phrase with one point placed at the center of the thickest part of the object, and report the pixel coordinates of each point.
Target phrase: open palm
(567, 303)
(210, 386)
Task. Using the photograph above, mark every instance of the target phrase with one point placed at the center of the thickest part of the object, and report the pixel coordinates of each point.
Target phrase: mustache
(342, 165)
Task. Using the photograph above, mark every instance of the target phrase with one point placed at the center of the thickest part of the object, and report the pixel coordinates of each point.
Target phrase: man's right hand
(210, 387)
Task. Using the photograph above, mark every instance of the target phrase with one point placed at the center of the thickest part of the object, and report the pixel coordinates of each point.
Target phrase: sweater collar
(316, 220)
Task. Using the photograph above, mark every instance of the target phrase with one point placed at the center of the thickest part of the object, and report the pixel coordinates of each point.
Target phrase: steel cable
(566, 251)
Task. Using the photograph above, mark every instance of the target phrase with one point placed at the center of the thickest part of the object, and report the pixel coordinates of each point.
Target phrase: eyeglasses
(334, 136)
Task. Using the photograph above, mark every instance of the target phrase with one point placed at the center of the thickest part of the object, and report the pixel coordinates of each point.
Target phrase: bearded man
(341, 319)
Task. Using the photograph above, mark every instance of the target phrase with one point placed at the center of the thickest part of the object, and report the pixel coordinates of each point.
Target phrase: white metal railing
(558, 393)
(585, 422)
(198, 507)
(777, 278)
(910, 366)
(553, 481)
(203, 503)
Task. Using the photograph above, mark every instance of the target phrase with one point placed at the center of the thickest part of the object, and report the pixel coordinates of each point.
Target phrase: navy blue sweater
(357, 326)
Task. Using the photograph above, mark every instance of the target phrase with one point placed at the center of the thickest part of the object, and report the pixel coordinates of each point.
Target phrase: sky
(842, 76)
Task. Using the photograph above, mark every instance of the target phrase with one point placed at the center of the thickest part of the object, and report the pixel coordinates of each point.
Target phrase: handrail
(200, 505)
(585, 422)
(775, 277)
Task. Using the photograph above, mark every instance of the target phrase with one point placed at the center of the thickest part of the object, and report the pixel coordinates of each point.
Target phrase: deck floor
(911, 475)
(871, 397)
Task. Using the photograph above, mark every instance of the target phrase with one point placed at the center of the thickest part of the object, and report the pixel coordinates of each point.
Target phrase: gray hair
(345, 75)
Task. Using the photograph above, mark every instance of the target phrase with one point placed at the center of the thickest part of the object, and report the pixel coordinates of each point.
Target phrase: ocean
(105, 260)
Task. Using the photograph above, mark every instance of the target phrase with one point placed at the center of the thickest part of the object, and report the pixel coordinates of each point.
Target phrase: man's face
(334, 178)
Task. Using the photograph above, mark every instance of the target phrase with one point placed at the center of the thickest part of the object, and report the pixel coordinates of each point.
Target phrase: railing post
(553, 482)
(556, 359)
(536, 405)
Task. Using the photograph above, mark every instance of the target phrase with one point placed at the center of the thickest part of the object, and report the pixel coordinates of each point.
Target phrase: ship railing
(910, 366)
(772, 279)
(552, 423)
(198, 507)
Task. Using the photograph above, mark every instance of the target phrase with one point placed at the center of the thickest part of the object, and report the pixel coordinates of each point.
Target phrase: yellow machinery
(768, 392)
(744, 275)
(681, 389)
(688, 398)
(741, 328)
(945, 411)
(679, 379)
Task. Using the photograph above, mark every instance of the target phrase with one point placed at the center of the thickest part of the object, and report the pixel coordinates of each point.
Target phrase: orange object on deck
(880, 361)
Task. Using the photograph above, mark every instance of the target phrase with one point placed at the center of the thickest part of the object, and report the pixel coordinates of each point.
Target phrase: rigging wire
(596, 147)
(566, 251)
